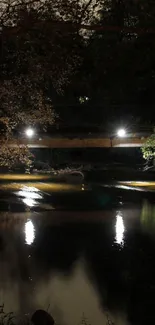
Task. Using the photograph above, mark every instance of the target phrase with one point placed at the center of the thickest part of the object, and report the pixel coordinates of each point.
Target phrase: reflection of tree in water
(60, 247)
(124, 277)
(85, 321)
(148, 216)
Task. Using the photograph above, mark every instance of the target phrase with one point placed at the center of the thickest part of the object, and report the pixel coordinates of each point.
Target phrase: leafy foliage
(14, 155)
(148, 149)
(35, 58)
(44, 42)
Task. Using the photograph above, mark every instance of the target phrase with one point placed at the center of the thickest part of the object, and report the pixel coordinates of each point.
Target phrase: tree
(148, 148)
(35, 58)
(118, 70)
(109, 43)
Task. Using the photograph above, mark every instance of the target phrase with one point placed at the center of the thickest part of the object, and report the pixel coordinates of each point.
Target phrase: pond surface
(86, 256)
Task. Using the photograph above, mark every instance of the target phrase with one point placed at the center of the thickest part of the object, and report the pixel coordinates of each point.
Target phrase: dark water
(93, 264)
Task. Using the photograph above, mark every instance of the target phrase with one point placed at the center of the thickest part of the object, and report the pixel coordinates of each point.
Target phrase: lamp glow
(121, 133)
(29, 132)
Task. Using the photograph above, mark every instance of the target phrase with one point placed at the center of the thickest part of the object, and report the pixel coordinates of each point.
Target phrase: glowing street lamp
(29, 132)
(121, 133)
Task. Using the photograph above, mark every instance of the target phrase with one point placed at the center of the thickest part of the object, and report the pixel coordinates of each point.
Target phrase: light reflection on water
(29, 202)
(29, 232)
(148, 215)
(119, 229)
(72, 262)
(51, 187)
(29, 195)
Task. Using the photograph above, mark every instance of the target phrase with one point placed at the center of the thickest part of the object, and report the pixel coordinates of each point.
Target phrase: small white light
(121, 133)
(29, 132)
